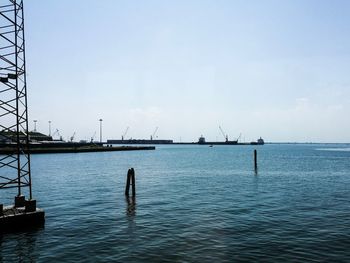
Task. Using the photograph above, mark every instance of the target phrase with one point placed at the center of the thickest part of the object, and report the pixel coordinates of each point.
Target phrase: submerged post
(130, 180)
(255, 161)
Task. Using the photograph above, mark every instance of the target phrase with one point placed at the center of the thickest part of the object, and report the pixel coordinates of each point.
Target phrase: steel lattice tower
(14, 166)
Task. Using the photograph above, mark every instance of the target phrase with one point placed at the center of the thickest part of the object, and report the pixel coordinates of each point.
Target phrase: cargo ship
(202, 141)
(139, 141)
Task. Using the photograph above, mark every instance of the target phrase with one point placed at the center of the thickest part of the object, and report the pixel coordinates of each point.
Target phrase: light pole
(49, 128)
(35, 121)
(101, 130)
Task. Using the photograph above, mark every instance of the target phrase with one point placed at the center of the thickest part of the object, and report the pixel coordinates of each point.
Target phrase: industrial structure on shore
(201, 140)
(41, 140)
(42, 143)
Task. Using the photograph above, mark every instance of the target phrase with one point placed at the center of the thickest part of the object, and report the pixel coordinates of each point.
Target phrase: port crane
(72, 138)
(57, 132)
(124, 134)
(93, 137)
(239, 137)
(223, 134)
(154, 133)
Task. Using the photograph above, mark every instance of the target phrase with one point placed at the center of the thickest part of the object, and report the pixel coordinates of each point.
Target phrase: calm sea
(193, 204)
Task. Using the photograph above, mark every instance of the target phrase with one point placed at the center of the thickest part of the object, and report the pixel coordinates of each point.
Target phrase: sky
(275, 69)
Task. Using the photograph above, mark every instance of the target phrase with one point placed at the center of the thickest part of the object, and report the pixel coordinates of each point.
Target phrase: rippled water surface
(193, 204)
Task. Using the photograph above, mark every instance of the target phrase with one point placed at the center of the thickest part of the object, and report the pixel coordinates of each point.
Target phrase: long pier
(74, 148)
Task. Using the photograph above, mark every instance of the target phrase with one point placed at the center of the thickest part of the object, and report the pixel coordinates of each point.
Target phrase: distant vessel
(202, 141)
(139, 141)
(260, 141)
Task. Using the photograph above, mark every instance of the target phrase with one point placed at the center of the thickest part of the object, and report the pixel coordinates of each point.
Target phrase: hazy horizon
(275, 69)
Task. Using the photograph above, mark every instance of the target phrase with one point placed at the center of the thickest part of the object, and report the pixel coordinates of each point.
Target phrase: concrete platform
(16, 218)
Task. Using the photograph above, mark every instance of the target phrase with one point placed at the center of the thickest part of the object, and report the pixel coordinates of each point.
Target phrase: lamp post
(49, 128)
(35, 121)
(101, 130)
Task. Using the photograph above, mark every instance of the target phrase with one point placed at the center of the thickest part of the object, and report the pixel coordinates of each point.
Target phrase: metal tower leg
(15, 166)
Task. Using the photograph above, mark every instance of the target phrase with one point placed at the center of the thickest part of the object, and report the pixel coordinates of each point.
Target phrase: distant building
(4, 139)
(11, 136)
(37, 136)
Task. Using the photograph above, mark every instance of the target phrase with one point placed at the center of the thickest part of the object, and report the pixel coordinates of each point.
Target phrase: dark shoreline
(77, 149)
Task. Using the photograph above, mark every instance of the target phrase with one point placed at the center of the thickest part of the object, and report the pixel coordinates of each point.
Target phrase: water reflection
(256, 171)
(131, 213)
(22, 245)
(131, 206)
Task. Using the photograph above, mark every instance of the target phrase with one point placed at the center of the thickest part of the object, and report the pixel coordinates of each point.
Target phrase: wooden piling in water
(130, 180)
(127, 187)
(255, 160)
(133, 185)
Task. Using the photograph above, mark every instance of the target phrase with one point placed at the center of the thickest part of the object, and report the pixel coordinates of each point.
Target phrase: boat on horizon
(202, 141)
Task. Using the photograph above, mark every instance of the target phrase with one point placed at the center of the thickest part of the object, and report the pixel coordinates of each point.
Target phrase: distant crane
(93, 137)
(126, 131)
(154, 133)
(239, 137)
(57, 132)
(223, 134)
(72, 138)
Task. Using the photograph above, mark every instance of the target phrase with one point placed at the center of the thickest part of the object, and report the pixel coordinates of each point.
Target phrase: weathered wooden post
(255, 161)
(130, 180)
(133, 184)
(127, 183)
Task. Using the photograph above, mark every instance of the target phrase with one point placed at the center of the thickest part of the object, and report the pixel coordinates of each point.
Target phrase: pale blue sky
(276, 69)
